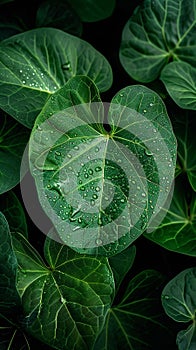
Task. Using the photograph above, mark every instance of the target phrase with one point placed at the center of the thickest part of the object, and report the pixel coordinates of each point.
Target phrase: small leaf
(136, 322)
(9, 298)
(13, 139)
(156, 33)
(92, 11)
(68, 300)
(179, 303)
(179, 79)
(177, 232)
(37, 63)
(58, 15)
(11, 207)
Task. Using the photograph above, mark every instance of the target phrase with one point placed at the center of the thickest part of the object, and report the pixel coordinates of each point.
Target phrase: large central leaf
(35, 64)
(158, 32)
(64, 304)
(102, 189)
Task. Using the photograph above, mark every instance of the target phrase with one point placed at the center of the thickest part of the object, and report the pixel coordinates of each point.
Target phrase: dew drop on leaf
(148, 152)
(98, 241)
(66, 66)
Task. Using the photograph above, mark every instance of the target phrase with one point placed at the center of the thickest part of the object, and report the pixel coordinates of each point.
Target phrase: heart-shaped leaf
(177, 232)
(67, 300)
(102, 189)
(13, 139)
(156, 33)
(179, 79)
(36, 63)
(92, 11)
(136, 321)
(9, 298)
(179, 302)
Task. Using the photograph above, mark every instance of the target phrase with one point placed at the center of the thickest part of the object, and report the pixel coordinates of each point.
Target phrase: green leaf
(58, 15)
(92, 11)
(37, 63)
(179, 79)
(13, 139)
(179, 303)
(67, 300)
(156, 33)
(136, 322)
(100, 189)
(11, 337)
(11, 207)
(9, 298)
(177, 232)
(184, 128)
(186, 339)
(121, 264)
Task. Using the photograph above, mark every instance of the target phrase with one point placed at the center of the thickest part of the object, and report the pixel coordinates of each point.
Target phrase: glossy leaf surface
(67, 300)
(156, 33)
(35, 64)
(179, 79)
(96, 186)
(179, 302)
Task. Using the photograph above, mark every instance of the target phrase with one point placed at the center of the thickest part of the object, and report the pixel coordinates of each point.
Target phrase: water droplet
(148, 152)
(76, 228)
(86, 176)
(145, 110)
(69, 155)
(97, 149)
(76, 148)
(121, 94)
(20, 70)
(66, 66)
(166, 297)
(90, 171)
(151, 104)
(122, 200)
(98, 242)
(143, 194)
(98, 168)
(39, 128)
(95, 196)
(58, 153)
(92, 202)
(24, 82)
(97, 188)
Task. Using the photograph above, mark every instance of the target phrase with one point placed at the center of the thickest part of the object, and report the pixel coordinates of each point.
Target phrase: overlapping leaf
(64, 304)
(179, 79)
(177, 232)
(136, 322)
(35, 64)
(158, 32)
(13, 139)
(179, 302)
